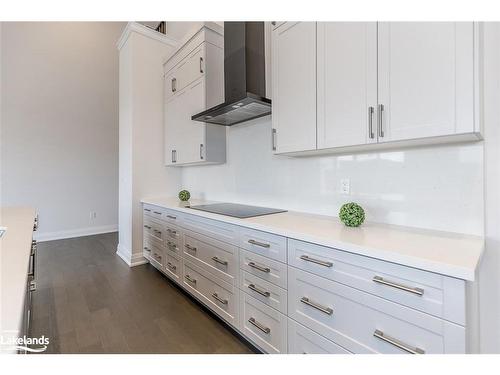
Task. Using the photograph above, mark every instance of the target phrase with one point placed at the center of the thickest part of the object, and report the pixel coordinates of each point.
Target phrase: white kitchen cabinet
(194, 81)
(350, 86)
(426, 79)
(347, 83)
(294, 86)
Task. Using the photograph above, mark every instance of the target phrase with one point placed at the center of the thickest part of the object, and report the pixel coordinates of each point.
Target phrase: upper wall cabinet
(426, 79)
(294, 86)
(347, 83)
(194, 81)
(355, 85)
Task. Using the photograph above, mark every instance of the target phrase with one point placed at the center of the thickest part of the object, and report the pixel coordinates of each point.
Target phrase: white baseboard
(51, 236)
(132, 260)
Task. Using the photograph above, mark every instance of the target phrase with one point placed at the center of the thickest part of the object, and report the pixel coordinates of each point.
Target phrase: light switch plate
(345, 186)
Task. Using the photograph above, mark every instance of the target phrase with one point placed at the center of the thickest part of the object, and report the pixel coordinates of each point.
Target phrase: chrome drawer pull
(223, 301)
(156, 212)
(380, 280)
(255, 323)
(217, 260)
(317, 261)
(257, 243)
(263, 269)
(171, 266)
(157, 231)
(189, 247)
(171, 217)
(398, 344)
(147, 227)
(147, 209)
(323, 309)
(171, 231)
(257, 290)
(188, 278)
(171, 245)
(147, 249)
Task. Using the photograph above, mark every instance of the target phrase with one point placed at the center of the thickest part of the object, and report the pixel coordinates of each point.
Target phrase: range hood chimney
(244, 76)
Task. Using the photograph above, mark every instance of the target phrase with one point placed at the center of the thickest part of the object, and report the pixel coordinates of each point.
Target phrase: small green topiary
(352, 214)
(184, 195)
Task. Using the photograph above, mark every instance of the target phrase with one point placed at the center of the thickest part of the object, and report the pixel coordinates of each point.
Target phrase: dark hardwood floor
(89, 301)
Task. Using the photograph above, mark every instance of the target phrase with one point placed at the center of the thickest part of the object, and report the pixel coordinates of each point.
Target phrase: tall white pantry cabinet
(193, 82)
(341, 86)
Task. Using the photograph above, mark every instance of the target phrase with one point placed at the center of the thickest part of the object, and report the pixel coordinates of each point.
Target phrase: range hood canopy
(244, 76)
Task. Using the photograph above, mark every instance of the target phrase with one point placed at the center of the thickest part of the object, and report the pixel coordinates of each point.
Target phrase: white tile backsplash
(439, 187)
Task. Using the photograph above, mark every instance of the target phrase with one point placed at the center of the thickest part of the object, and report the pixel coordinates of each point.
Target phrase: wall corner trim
(147, 32)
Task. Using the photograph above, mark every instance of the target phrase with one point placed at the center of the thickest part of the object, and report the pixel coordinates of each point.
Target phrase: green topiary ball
(184, 195)
(352, 214)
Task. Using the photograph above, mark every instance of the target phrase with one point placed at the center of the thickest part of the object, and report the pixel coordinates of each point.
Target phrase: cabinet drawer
(147, 247)
(173, 267)
(263, 243)
(263, 325)
(425, 291)
(157, 257)
(212, 228)
(218, 258)
(264, 291)
(220, 296)
(154, 229)
(302, 340)
(173, 234)
(265, 268)
(353, 318)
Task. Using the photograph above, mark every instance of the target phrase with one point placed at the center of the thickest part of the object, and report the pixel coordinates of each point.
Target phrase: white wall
(60, 123)
(437, 187)
(489, 296)
(142, 171)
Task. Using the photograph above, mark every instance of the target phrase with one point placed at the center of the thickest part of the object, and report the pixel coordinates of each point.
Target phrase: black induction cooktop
(240, 211)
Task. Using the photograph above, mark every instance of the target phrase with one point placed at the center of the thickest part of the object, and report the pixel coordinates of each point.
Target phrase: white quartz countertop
(15, 248)
(451, 254)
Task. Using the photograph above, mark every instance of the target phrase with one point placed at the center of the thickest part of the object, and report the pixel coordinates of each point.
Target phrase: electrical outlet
(345, 186)
(93, 215)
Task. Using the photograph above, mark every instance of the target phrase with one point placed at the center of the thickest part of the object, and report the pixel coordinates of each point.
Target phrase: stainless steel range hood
(244, 76)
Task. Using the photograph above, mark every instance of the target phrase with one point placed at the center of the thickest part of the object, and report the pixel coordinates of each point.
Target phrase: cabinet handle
(156, 212)
(381, 280)
(147, 209)
(216, 296)
(273, 23)
(32, 286)
(257, 267)
(257, 243)
(201, 64)
(217, 260)
(273, 139)
(157, 231)
(147, 227)
(191, 280)
(189, 247)
(263, 328)
(257, 290)
(201, 151)
(323, 309)
(381, 120)
(370, 122)
(171, 231)
(174, 84)
(172, 245)
(172, 217)
(171, 266)
(147, 249)
(174, 156)
(317, 261)
(397, 343)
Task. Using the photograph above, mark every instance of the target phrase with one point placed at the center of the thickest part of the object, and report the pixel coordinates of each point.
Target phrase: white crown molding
(90, 231)
(132, 260)
(147, 32)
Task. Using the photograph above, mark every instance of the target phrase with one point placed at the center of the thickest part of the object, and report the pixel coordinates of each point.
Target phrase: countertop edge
(463, 273)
